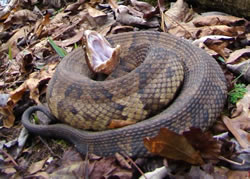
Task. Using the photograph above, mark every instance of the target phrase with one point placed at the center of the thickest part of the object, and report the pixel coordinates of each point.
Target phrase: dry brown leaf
(122, 161)
(173, 146)
(113, 4)
(36, 78)
(238, 174)
(94, 12)
(145, 8)
(242, 68)
(204, 142)
(5, 11)
(72, 165)
(219, 46)
(59, 18)
(32, 84)
(74, 6)
(9, 170)
(64, 28)
(119, 123)
(43, 175)
(179, 12)
(217, 20)
(40, 25)
(218, 30)
(21, 33)
(176, 16)
(37, 166)
(183, 30)
(21, 16)
(25, 59)
(8, 116)
(124, 15)
(96, 2)
(241, 136)
(71, 40)
(237, 54)
(74, 170)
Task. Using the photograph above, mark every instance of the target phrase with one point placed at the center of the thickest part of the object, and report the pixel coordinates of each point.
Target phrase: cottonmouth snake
(198, 104)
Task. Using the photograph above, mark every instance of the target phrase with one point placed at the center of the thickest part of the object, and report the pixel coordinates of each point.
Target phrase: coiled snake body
(199, 101)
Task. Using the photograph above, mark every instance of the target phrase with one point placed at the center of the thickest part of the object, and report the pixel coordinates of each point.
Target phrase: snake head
(100, 56)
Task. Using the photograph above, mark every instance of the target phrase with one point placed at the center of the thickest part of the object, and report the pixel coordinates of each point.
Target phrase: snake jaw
(100, 56)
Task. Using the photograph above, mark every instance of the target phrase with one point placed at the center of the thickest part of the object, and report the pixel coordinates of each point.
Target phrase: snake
(198, 102)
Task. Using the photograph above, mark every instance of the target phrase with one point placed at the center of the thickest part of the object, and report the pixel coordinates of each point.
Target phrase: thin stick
(136, 166)
(230, 161)
(9, 156)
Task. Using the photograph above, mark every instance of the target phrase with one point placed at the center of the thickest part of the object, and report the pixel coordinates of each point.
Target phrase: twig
(136, 166)
(9, 156)
(50, 150)
(230, 161)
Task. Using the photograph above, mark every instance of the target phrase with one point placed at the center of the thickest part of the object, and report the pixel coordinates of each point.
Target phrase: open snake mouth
(100, 56)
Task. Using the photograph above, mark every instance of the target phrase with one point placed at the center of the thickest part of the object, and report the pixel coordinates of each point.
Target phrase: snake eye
(100, 55)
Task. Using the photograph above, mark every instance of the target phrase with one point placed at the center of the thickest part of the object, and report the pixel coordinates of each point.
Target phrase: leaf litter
(28, 61)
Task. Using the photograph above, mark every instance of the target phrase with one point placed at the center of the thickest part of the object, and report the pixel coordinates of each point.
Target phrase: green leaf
(237, 93)
(61, 52)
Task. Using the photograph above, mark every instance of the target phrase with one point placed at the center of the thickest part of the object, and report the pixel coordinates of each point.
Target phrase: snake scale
(198, 103)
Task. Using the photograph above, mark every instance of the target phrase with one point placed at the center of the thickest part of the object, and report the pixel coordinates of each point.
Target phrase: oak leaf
(173, 146)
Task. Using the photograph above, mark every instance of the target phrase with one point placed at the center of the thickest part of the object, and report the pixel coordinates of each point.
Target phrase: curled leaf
(242, 68)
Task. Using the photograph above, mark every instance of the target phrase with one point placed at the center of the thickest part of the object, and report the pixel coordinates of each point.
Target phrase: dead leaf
(122, 161)
(113, 4)
(125, 16)
(173, 146)
(218, 30)
(238, 174)
(43, 175)
(35, 79)
(241, 136)
(21, 16)
(6, 108)
(21, 33)
(237, 54)
(217, 20)
(204, 142)
(242, 69)
(71, 40)
(147, 9)
(74, 6)
(37, 166)
(9, 171)
(25, 59)
(59, 18)
(178, 12)
(94, 12)
(119, 123)
(40, 25)
(176, 17)
(75, 169)
(96, 167)
(219, 46)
